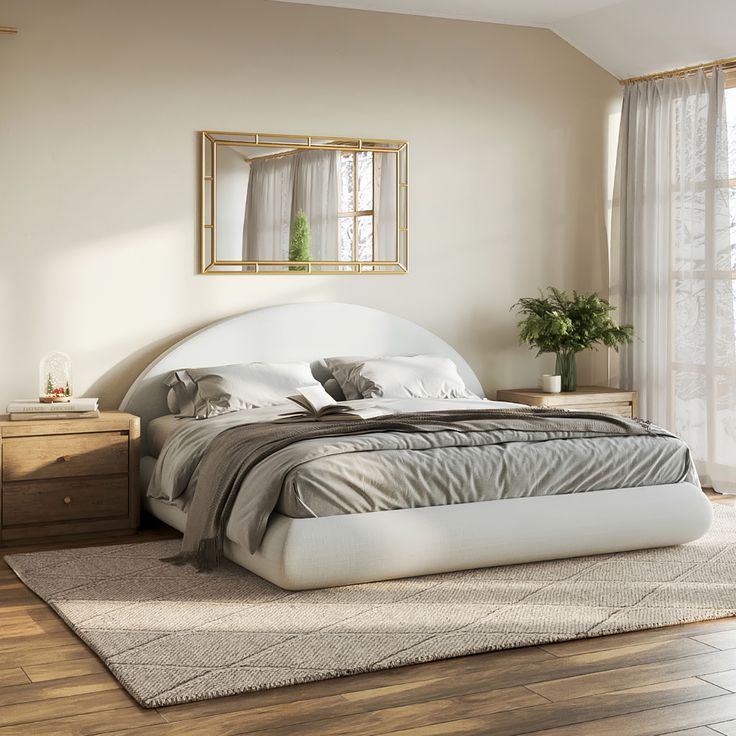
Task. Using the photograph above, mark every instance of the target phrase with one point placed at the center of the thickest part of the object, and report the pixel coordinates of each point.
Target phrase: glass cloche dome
(55, 378)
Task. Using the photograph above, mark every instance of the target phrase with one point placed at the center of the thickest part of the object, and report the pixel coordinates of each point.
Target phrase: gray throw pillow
(341, 368)
(333, 389)
(185, 393)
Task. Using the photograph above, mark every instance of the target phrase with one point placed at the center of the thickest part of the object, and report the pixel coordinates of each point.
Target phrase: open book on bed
(318, 405)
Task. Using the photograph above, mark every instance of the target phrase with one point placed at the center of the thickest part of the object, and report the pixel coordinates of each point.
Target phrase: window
(355, 210)
(703, 308)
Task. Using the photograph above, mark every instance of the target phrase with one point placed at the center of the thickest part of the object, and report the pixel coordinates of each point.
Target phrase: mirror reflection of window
(356, 215)
(346, 200)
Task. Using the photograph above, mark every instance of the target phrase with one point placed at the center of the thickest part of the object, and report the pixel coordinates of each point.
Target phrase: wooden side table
(68, 477)
(588, 398)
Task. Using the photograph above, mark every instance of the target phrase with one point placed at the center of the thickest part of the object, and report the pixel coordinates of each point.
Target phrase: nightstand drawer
(61, 500)
(62, 456)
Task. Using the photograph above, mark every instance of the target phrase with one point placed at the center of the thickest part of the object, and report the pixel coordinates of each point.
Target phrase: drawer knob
(67, 499)
(63, 459)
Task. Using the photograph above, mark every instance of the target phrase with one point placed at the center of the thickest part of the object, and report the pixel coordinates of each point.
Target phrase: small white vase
(551, 384)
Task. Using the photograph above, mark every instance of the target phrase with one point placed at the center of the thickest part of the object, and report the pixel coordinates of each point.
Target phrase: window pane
(725, 434)
(688, 230)
(732, 194)
(725, 317)
(689, 295)
(689, 150)
(365, 238)
(724, 214)
(347, 182)
(346, 239)
(365, 181)
(690, 411)
(731, 120)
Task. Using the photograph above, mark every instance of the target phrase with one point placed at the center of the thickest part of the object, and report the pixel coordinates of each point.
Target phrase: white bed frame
(354, 548)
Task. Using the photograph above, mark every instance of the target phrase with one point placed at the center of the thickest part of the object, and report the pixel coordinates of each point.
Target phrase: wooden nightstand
(68, 477)
(587, 398)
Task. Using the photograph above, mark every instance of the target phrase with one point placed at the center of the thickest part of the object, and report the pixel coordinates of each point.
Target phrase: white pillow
(229, 388)
(400, 377)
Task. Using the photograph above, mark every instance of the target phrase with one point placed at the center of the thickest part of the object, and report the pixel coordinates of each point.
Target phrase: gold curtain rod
(253, 159)
(729, 63)
(8, 29)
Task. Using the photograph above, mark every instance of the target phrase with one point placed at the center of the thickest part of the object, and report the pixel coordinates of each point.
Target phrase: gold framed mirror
(290, 204)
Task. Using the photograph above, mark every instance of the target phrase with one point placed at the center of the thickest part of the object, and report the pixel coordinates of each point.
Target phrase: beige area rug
(172, 635)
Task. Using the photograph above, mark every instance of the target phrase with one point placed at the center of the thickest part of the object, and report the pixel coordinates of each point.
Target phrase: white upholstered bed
(300, 553)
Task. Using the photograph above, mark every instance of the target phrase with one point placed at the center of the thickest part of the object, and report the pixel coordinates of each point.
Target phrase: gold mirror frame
(210, 264)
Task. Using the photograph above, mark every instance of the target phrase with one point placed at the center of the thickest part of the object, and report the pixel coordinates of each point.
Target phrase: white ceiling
(541, 13)
(626, 37)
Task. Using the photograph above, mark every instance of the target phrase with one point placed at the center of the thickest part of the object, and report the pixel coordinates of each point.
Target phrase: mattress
(379, 472)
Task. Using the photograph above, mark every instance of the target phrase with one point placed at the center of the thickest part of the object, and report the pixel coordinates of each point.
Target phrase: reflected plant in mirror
(300, 246)
(330, 205)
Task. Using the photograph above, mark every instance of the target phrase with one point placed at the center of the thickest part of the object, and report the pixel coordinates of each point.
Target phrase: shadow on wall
(112, 385)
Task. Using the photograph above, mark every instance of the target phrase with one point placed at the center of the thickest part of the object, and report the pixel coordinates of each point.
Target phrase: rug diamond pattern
(173, 635)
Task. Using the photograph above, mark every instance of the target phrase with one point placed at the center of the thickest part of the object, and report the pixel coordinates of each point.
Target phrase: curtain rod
(8, 29)
(729, 63)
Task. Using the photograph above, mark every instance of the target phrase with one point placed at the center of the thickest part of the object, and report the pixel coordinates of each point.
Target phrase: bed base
(300, 554)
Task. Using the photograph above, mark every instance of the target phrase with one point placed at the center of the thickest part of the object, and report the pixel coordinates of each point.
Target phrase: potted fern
(558, 323)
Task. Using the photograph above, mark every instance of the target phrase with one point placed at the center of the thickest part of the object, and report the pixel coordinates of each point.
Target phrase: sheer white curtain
(277, 189)
(672, 263)
(315, 192)
(268, 206)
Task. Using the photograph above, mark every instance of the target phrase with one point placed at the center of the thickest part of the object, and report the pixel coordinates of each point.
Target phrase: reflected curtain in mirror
(280, 187)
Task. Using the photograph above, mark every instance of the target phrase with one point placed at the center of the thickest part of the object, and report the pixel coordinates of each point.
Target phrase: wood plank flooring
(676, 680)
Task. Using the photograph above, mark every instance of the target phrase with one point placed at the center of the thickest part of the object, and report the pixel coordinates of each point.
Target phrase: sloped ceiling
(626, 37)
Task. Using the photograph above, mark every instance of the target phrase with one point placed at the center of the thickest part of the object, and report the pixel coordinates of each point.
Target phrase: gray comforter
(378, 471)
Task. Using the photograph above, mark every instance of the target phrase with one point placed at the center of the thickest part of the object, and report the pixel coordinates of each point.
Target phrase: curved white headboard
(288, 333)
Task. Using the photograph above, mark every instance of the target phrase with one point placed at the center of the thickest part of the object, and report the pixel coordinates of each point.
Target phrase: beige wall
(100, 101)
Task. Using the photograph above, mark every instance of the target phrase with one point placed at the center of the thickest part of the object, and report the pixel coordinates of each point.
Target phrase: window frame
(355, 213)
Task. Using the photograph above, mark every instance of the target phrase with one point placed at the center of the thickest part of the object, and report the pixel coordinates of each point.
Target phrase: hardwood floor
(679, 679)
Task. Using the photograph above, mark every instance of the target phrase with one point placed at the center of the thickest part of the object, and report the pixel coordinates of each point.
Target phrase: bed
(346, 548)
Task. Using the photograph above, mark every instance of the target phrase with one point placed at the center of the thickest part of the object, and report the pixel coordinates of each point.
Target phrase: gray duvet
(382, 471)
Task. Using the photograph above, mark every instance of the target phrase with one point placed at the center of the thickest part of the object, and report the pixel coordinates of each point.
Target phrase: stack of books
(26, 409)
